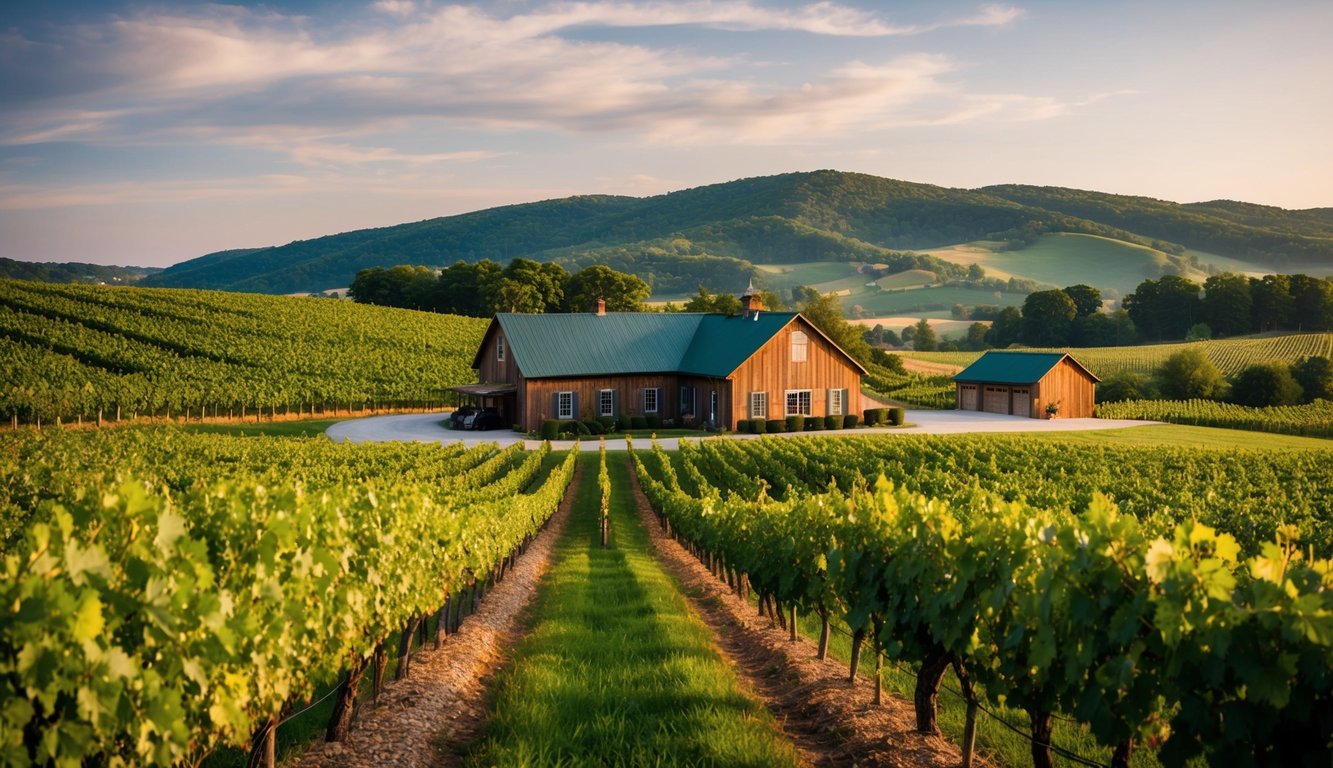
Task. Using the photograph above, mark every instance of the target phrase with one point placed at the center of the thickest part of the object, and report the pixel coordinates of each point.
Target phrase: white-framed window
(650, 400)
(836, 406)
(500, 348)
(564, 405)
(800, 343)
(606, 402)
(759, 405)
(798, 402)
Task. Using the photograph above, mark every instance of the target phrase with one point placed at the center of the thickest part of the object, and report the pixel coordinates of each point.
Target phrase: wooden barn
(688, 369)
(1027, 384)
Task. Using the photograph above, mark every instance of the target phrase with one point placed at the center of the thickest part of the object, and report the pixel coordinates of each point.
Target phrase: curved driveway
(430, 428)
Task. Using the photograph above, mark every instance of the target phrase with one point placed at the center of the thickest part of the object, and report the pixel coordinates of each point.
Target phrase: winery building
(688, 369)
(1038, 385)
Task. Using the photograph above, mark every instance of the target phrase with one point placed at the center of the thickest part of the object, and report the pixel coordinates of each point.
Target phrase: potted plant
(1052, 409)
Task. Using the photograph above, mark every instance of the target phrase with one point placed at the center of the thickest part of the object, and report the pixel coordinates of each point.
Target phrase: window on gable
(798, 402)
(500, 348)
(799, 344)
(650, 400)
(606, 402)
(564, 408)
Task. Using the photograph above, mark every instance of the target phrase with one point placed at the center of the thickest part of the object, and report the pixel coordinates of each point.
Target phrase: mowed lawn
(616, 669)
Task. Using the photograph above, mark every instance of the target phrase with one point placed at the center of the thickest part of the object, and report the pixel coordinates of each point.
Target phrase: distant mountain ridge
(714, 234)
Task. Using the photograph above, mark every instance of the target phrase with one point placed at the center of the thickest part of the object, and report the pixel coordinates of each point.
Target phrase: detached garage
(1026, 384)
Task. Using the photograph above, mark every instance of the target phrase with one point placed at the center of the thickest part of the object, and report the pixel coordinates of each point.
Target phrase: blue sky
(150, 133)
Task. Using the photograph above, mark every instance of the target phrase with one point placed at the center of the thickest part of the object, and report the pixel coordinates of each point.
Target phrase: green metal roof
(1014, 367)
(722, 343)
(586, 344)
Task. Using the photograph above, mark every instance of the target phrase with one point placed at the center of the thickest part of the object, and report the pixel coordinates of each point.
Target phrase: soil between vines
(830, 722)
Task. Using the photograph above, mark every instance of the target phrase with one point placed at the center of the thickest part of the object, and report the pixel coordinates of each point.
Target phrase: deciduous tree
(1188, 374)
(1048, 317)
(1227, 305)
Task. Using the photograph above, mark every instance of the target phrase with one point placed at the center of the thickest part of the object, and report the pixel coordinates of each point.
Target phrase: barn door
(1022, 402)
(967, 397)
(996, 400)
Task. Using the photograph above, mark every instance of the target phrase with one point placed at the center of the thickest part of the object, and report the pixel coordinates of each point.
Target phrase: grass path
(617, 670)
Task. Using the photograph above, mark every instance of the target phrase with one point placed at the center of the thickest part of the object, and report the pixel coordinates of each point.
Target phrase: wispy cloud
(226, 75)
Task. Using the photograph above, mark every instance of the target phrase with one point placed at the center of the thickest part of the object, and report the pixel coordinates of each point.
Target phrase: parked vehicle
(460, 415)
(486, 418)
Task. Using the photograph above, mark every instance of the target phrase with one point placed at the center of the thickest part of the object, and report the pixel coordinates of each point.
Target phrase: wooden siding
(771, 370)
(537, 396)
(1070, 387)
(494, 371)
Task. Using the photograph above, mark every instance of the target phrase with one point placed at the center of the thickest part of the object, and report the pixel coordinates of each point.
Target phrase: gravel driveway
(430, 428)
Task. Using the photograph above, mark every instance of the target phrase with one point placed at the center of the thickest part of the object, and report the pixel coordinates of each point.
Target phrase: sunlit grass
(617, 670)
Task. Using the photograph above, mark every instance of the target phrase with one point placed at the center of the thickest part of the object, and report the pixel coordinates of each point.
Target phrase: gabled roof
(587, 344)
(1015, 367)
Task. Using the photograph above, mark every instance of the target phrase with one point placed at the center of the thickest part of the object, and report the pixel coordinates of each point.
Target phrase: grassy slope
(617, 670)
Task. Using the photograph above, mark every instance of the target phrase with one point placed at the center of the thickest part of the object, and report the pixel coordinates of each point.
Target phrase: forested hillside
(716, 234)
(73, 272)
(77, 352)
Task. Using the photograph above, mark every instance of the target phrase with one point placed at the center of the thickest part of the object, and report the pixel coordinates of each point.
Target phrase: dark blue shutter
(555, 405)
(574, 398)
(615, 404)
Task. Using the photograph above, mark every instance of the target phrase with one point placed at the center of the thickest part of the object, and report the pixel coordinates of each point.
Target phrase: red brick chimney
(601, 307)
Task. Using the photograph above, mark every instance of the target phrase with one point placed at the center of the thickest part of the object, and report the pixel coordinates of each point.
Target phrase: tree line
(485, 288)
(1174, 307)
(1230, 304)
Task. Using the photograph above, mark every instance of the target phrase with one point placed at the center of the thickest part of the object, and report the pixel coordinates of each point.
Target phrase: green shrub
(796, 423)
(638, 422)
(871, 416)
(776, 425)
(609, 424)
(550, 429)
(654, 422)
(897, 416)
(814, 424)
(758, 426)
(574, 427)
(832, 422)
(742, 425)
(849, 421)
(1266, 384)
(595, 427)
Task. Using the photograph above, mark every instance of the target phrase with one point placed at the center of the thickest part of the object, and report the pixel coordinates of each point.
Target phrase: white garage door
(1022, 402)
(997, 400)
(967, 397)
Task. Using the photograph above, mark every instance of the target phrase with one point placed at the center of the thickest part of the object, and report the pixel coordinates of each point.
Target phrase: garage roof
(1015, 367)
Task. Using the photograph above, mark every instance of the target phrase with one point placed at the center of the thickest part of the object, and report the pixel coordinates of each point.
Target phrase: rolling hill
(718, 234)
(73, 272)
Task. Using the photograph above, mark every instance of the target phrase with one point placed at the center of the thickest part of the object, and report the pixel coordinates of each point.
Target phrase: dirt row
(426, 719)
(430, 718)
(831, 721)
